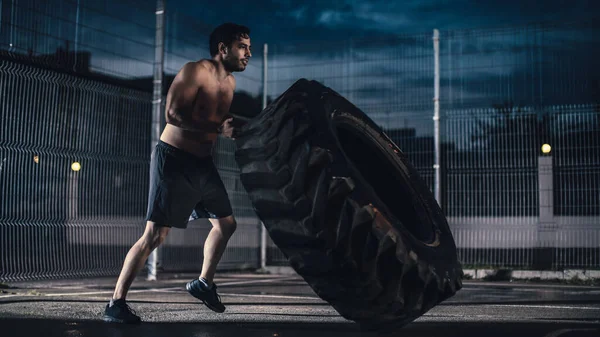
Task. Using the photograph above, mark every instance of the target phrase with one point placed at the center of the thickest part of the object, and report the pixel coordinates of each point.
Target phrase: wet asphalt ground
(283, 305)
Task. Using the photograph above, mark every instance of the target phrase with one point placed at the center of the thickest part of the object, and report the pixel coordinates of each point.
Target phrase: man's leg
(153, 236)
(203, 287)
(117, 310)
(214, 203)
(215, 245)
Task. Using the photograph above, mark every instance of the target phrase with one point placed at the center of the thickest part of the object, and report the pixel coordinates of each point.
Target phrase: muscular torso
(211, 103)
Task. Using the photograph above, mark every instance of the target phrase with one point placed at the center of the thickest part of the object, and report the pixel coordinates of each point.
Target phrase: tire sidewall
(444, 254)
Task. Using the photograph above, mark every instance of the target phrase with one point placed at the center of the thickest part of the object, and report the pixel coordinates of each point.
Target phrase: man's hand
(227, 129)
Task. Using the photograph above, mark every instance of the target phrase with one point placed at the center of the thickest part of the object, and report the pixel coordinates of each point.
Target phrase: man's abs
(197, 143)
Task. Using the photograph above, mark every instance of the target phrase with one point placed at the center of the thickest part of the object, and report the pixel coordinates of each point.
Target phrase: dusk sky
(378, 54)
(280, 21)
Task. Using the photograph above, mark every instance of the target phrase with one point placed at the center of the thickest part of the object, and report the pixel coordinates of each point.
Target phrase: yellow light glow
(546, 148)
(75, 166)
(36, 159)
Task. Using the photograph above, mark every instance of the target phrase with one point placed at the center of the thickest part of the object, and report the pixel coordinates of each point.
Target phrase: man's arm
(182, 95)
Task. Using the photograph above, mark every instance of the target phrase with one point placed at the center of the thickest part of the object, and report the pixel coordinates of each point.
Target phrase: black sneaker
(209, 297)
(120, 312)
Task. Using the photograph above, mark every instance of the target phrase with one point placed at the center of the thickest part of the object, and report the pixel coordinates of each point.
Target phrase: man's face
(238, 55)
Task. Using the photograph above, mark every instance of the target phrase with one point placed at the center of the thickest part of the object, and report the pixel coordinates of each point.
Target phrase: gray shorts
(184, 187)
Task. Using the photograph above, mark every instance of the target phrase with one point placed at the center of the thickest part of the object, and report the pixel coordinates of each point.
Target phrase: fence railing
(503, 94)
(73, 174)
(77, 117)
(75, 145)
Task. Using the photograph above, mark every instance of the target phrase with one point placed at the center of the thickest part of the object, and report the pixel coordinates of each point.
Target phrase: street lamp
(546, 148)
(75, 166)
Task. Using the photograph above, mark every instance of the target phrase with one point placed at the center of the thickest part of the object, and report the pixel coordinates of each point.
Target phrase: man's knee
(154, 235)
(227, 225)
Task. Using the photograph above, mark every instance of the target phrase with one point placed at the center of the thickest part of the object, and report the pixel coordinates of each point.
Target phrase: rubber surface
(347, 209)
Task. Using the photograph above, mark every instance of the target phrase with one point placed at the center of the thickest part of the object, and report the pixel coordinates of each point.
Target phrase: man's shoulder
(205, 64)
(199, 66)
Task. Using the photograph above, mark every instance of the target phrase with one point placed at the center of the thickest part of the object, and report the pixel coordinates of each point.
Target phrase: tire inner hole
(378, 170)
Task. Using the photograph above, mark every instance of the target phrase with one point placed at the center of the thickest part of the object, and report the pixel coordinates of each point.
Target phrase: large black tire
(347, 209)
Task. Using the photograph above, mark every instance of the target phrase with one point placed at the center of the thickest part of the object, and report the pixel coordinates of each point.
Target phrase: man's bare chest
(214, 102)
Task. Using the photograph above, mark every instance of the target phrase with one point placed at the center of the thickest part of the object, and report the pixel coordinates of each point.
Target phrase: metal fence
(503, 94)
(75, 141)
(76, 88)
(74, 165)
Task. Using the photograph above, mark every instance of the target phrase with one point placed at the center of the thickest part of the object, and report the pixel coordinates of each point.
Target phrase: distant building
(62, 59)
(66, 59)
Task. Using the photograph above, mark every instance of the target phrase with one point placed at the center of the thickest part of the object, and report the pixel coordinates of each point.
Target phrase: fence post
(157, 106)
(543, 257)
(263, 229)
(76, 42)
(436, 118)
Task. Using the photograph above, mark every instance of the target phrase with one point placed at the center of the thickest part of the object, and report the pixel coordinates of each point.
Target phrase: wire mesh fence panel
(505, 93)
(76, 86)
(576, 185)
(75, 135)
(73, 175)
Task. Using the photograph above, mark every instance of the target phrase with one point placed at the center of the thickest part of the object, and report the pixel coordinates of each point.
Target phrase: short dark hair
(226, 33)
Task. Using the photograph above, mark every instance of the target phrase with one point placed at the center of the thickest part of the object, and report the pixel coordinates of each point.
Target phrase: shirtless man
(183, 178)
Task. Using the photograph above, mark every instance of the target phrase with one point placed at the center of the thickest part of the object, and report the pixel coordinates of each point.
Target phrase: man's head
(231, 43)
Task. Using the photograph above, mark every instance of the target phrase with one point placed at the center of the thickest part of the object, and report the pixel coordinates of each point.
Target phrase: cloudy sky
(315, 36)
(288, 20)
(377, 53)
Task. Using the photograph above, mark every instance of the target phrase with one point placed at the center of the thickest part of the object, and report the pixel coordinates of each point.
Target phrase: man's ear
(222, 48)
